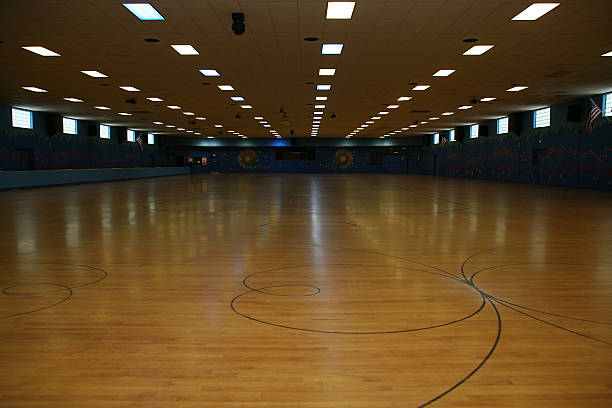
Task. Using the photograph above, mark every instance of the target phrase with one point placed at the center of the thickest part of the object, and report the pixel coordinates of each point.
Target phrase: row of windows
(541, 118)
(24, 119)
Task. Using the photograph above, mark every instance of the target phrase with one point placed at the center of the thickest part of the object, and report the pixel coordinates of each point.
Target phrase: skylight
(185, 49)
(340, 10)
(478, 50)
(144, 11)
(37, 49)
(535, 11)
(331, 49)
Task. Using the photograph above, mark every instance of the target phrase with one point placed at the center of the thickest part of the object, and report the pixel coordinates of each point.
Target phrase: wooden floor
(319, 291)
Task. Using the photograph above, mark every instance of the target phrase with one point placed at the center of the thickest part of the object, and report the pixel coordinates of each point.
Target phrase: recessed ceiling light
(169, 126)
(226, 87)
(405, 128)
(321, 98)
(535, 11)
(102, 107)
(323, 87)
(420, 87)
(370, 122)
(201, 118)
(180, 128)
(382, 137)
(413, 126)
(434, 118)
(263, 122)
(317, 117)
(331, 49)
(158, 123)
(237, 98)
(73, 100)
(189, 131)
(404, 98)
(188, 113)
(392, 106)
(383, 113)
(424, 122)
(197, 133)
(155, 99)
(319, 106)
(318, 112)
(464, 107)
(129, 88)
(258, 118)
(375, 117)
(246, 106)
(516, 89)
(174, 107)
(34, 89)
(364, 126)
(210, 72)
(218, 126)
(95, 74)
(210, 137)
(446, 114)
(37, 49)
(266, 125)
(327, 71)
(185, 49)
(478, 50)
(144, 11)
(444, 72)
(124, 114)
(607, 54)
(487, 99)
(316, 121)
(340, 10)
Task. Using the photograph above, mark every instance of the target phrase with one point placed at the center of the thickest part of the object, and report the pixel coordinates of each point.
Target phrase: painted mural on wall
(31, 150)
(248, 159)
(564, 155)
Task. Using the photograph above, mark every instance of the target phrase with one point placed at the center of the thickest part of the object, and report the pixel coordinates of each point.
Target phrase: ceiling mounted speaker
(238, 26)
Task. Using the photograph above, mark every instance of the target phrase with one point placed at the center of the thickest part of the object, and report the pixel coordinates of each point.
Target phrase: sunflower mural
(343, 159)
(248, 159)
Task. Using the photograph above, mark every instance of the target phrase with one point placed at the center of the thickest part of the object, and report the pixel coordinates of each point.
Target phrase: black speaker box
(515, 123)
(574, 113)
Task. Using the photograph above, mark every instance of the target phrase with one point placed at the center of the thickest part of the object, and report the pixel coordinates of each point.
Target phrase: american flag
(139, 140)
(594, 114)
(444, 141)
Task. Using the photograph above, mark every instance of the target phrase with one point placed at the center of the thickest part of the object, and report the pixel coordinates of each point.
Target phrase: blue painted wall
(562, 154)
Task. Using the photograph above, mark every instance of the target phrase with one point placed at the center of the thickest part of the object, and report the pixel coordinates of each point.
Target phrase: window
(502, 126)
(451, 135)
(70, 126)
(541, 118)
(22, 118)
(607, 105)
(104, 132)
(473, 131)
(131, 136)
(436, 138)
(150, 138)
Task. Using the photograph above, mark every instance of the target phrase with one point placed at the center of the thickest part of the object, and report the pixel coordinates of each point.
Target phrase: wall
(326, 160)
(36, 149)
(562, 154)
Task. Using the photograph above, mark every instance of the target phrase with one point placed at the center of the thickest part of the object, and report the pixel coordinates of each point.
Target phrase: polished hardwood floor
(318, 291)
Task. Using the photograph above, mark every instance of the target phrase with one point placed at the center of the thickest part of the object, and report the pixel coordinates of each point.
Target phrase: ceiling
(388, 46)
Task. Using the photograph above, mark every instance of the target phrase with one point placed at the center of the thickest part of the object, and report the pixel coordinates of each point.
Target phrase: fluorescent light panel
(73, 100)
(144, 11)
(464, 107)
(340, 10)
(516, 89)
(34, 89)
(102, 107)
(487, 99)
(327, 71)
(404, 98)
(478, 50)
(185, 49)
(535, 11)
(210, 72)
(331, 49)
(420, 87)
(327, 87)
(129, 88)
(155, 99)
(237, 98)
(444, 72)
(226, 87)
(37, 49)
(95, 74)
